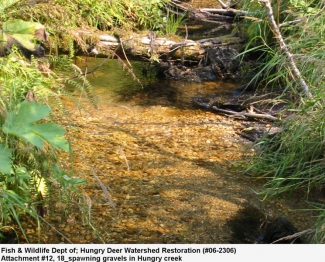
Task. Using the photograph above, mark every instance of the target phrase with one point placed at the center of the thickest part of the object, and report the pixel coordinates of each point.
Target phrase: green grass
(294, 158)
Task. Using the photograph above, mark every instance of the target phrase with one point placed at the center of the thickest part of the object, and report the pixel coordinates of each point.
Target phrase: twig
(178, 5)
(87, 199)
(126, 108)
(124, 157)
(296, 235)
(225, 6)
(91, 71)
(106, 194)
(290, 22)
(57, 231)
(119, 59)
(127, 60)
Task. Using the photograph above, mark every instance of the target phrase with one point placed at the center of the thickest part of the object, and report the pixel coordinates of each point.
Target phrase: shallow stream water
(172, 168)
(115, 84)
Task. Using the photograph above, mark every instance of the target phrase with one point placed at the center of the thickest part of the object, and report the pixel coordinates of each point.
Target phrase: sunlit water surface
(171, 102)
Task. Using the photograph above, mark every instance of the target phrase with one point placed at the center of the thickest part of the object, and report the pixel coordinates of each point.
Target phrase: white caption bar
(159, 253)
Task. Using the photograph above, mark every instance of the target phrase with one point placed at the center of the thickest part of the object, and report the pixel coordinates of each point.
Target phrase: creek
(162, 170)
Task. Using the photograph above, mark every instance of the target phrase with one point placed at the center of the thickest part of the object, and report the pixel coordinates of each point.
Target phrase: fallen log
(146, 47)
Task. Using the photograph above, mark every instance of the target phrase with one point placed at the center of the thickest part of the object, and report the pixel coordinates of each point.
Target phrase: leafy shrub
(24, 161)
(29, 138)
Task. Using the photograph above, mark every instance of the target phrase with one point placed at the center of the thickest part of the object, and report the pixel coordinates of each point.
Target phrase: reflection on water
(115, 85)
(199, 29)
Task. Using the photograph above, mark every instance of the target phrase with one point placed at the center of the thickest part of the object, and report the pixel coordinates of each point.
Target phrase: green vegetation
(172, 22)
(60, 16)
(29, 140)
(294, 158)
(31, 90)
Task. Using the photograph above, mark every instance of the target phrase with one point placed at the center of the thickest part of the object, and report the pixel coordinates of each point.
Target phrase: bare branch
(295, 71)
(223, 4)
(294, 236)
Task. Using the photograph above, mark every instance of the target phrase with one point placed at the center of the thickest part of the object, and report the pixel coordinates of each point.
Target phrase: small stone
(113, 236)
(105, 181)
(153, 193)
(186, 219)
(75, 240)
(88, 237)
(145, 233)
(131, 231)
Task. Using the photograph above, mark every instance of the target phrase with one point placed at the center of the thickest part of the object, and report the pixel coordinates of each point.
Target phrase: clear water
(115, 85)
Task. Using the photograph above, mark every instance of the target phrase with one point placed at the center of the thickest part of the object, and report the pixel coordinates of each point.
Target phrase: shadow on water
(199, 29)
(251, 226)
(8, 236)
(246, 226)
(113, 84)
